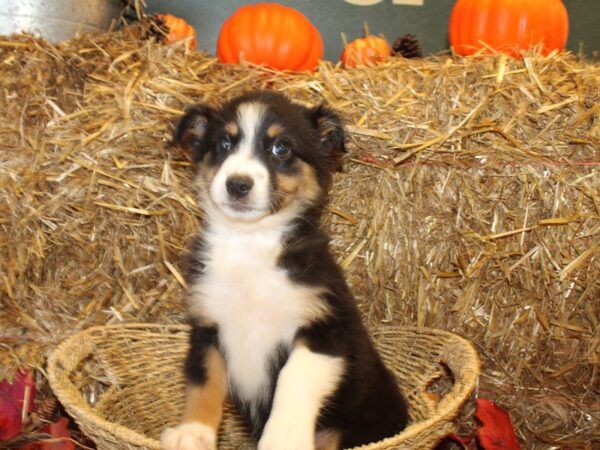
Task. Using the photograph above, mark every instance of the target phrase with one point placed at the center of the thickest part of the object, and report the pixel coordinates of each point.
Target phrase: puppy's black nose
(239, 186)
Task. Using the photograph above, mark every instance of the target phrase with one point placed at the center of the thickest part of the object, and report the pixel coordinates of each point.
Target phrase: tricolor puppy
(275, 326)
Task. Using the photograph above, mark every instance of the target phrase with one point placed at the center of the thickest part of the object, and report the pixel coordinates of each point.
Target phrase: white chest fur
(254, 303)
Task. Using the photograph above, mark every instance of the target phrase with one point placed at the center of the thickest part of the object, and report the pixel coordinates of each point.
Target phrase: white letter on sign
(408, 2)
(363, 2)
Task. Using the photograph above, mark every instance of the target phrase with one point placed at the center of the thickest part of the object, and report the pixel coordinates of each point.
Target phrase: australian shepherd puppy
(274, 325)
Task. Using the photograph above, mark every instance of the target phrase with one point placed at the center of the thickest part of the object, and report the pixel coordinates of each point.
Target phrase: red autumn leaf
(497, 431)
(60, 436)
(369, 158)
(12, 403)
(464, 441)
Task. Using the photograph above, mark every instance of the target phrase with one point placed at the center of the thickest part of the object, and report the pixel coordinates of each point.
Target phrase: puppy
(274, 325)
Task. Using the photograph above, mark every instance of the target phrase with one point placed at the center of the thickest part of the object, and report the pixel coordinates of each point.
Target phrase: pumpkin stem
(366, 31)
(344, 39)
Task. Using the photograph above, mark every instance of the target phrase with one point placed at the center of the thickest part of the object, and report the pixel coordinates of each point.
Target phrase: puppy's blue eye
(225, 143)
(281, 149)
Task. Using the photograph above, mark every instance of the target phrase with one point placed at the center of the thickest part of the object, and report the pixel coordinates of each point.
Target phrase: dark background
(429, 21)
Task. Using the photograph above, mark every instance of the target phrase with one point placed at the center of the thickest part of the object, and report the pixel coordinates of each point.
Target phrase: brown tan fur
(232, 128)
(302, 186)
(205, 404)
(274, 130)
(206, 171)
(328, 440)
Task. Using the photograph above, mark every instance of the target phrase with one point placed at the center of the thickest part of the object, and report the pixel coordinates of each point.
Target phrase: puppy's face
(260, 154)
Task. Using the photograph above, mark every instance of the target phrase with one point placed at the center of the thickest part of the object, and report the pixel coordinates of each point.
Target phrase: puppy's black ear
(190, 131)
(331, 132)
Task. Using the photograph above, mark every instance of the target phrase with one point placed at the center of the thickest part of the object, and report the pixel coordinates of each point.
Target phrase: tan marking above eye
(232, 128)
(274, 130)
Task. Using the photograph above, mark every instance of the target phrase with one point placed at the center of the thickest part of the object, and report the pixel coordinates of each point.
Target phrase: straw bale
(470, 201)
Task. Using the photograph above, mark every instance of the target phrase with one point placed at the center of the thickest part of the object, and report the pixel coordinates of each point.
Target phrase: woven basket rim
(71, 397)
(463, 387)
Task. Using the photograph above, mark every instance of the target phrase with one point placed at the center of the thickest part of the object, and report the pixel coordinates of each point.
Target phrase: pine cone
(407, 46)
(44, 410)
(157, 28)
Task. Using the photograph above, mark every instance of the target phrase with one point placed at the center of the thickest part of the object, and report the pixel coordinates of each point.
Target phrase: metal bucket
(57, 20)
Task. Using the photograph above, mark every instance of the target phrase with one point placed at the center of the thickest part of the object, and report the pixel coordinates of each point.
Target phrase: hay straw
(470, 201)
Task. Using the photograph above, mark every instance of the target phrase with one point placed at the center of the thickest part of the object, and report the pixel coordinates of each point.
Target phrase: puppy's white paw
(189, 436)
(286, 436)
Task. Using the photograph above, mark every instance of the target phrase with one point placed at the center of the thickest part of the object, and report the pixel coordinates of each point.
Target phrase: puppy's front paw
(281, 436)
(189, 436)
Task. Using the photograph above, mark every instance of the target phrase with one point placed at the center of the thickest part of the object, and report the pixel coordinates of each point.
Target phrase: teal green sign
(426, 19)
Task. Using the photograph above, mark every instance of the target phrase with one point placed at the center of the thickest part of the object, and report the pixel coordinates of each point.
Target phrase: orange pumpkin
(508, 26)
(270, 34)
(368, 50)
(173, 29)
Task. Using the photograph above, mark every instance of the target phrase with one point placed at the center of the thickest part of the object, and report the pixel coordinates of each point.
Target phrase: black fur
(194, 260)
(191, 129)
(367, 405)
(201, 340)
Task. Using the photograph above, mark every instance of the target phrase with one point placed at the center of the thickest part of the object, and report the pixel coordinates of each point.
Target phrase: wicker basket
(124, 384)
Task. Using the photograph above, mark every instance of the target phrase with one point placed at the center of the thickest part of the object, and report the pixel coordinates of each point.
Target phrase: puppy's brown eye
(224, 143)
(281, 149)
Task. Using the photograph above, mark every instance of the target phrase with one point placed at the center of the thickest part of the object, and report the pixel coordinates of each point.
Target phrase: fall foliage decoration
(497, 431)
(16, 400)
(58, 437)
(369, 49)
(18, 404)
(270, 34)
(170, 29)
(508, 26)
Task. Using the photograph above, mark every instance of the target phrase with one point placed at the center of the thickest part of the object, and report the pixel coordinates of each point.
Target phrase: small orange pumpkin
(508, 26)
(368, 50)
(173, 29)
(270, 34)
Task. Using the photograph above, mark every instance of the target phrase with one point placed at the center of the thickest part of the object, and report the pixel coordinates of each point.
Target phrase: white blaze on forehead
(250, 116)
(244, 161)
